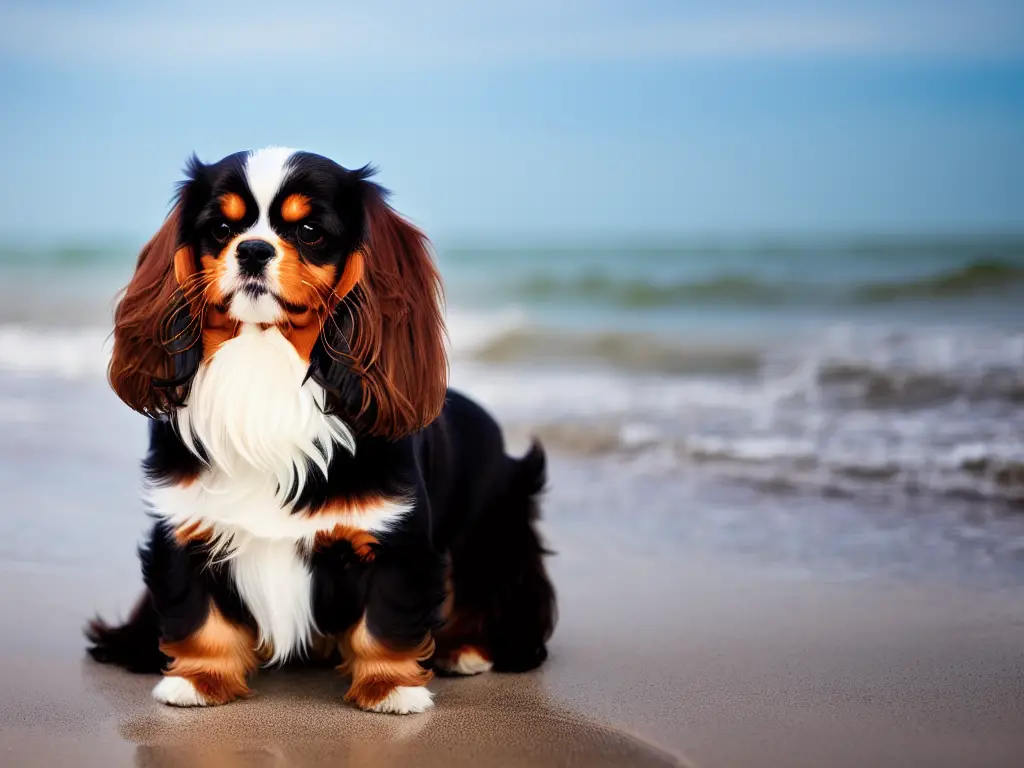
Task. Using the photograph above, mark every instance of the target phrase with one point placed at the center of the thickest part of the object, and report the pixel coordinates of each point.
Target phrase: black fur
(130, 645)
(168, 460)
(181, 582)
(507, 583)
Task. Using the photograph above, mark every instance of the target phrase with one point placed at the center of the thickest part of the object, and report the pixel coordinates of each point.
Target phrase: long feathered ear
(157, 340)
(387, 360)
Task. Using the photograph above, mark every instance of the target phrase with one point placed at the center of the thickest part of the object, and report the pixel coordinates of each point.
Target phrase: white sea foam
(77, 352)
(469, 331)
(847, 409)
(68, 353)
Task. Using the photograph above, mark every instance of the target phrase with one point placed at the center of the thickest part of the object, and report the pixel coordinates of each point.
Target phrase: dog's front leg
(384, 650)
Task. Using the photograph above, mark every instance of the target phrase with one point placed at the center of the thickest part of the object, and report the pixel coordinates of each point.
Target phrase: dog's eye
(221, 232)
(309, 235)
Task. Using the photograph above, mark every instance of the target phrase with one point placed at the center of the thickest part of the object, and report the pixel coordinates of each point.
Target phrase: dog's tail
(504, 601)
(134, 645)
(530, 476)
(524, 612)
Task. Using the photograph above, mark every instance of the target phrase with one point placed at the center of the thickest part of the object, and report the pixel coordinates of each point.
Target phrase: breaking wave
(969, 471)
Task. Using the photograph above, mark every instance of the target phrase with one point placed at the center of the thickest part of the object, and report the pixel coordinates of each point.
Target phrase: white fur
(259, 424)
(256, 309)
(405, 700)
(276, 585)
(178, 692)
(239, 514)
(468, 663)
(265, 172)
(254, 417)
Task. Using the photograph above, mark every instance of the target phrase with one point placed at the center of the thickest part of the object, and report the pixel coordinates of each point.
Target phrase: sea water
(853, 398)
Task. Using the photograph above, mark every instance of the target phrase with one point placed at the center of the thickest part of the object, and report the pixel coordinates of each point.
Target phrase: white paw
(405, 700)
(178, 692)
(467, 663)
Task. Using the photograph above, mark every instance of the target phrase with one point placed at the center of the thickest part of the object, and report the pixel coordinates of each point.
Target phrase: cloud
(189, 35)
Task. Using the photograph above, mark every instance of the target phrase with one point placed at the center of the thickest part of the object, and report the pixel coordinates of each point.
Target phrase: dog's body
(298, 510)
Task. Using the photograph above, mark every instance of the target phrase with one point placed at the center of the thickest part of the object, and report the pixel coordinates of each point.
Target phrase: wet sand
(654, 663)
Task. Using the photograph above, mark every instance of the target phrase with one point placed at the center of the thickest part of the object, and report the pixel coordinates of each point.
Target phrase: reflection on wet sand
(298, 720)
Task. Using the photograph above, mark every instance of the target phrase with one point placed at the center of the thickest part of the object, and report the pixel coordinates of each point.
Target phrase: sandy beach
(664, 655)
(654, 663)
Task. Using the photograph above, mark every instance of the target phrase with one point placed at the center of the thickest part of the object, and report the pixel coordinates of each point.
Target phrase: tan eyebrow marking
(232, 206)
(295, 207)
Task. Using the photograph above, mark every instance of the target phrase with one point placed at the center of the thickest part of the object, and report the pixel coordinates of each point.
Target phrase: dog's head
(293, 240)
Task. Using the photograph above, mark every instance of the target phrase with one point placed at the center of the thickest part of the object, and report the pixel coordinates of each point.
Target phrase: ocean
(854, 401)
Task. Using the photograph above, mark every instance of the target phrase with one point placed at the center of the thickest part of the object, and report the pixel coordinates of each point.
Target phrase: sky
(534, 118)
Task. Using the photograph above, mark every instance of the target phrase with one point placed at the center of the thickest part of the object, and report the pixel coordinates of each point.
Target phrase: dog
(317, 490)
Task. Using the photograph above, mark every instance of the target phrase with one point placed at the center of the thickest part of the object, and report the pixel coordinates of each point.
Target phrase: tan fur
(232, 206)
(216, 658)
(362, 541)
(377, 669)
(194, 531)
(353, 273)
(295, 207)
(461, 631)
(308, 286)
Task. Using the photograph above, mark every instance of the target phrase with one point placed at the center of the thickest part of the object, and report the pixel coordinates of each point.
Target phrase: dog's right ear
(157, 324)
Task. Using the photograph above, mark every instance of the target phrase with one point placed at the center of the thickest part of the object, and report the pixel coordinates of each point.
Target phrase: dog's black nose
(253, 255)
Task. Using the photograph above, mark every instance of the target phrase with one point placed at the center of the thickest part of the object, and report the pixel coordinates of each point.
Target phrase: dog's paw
(405, 700)
(465, 661)
(179, 692)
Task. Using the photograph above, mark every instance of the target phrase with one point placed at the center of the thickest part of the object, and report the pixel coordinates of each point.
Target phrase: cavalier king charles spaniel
(317, 489)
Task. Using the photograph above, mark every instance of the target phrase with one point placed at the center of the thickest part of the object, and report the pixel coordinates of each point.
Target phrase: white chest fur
(275, 584)
(260, 426)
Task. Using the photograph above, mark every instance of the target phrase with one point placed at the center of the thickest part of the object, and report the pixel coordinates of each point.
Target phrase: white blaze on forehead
(265, 172)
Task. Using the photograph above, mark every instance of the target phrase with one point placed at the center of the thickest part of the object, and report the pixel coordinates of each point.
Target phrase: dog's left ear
(157, 329)
(389, 327)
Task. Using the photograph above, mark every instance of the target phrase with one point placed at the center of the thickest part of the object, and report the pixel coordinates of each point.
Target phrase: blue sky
(532, 118)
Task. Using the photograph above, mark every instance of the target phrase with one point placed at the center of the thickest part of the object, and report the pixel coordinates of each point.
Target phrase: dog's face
(272, 233)
(293, 240)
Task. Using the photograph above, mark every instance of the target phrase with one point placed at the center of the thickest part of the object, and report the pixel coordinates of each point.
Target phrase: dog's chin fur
(250, 305)
(249, 412)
